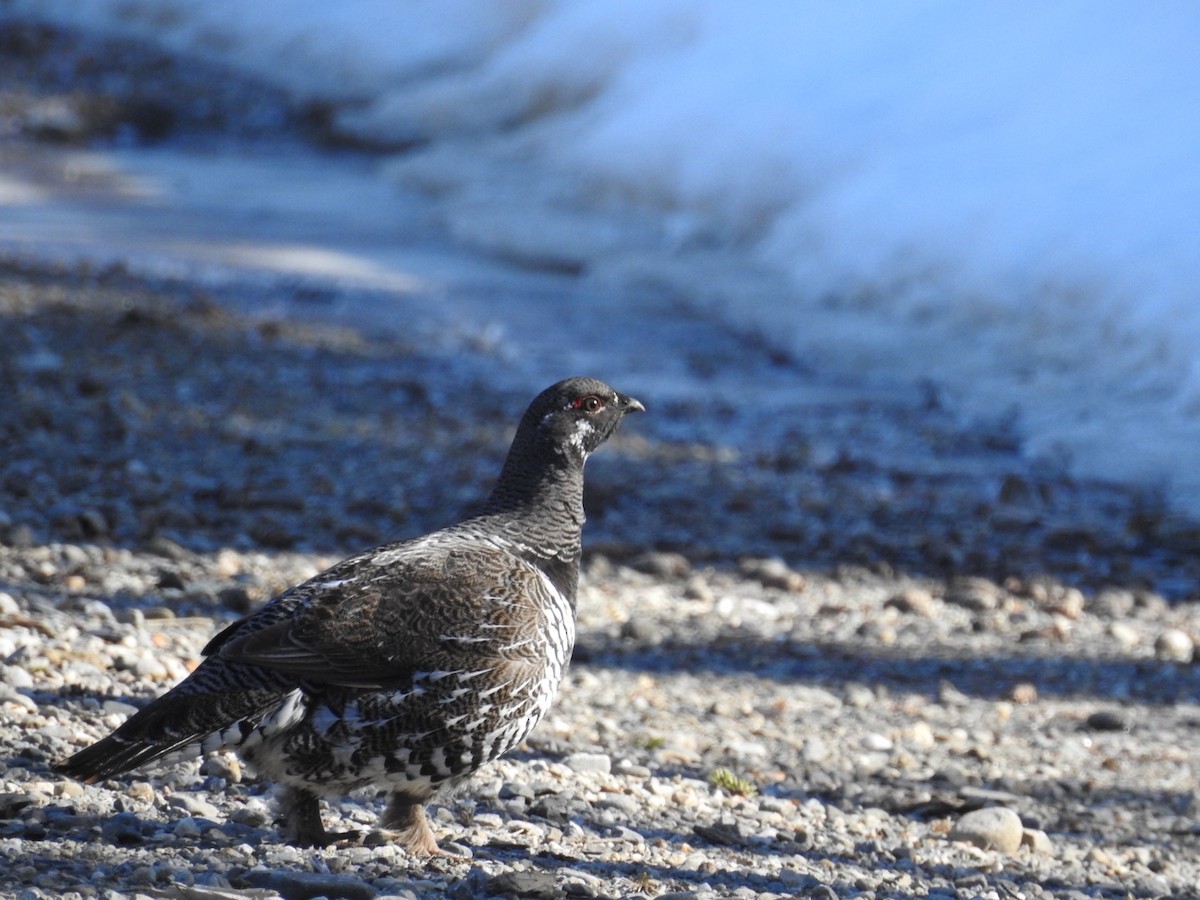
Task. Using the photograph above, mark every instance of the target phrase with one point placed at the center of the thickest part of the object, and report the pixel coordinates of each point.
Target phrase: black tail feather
(115, 755)
(168, 725)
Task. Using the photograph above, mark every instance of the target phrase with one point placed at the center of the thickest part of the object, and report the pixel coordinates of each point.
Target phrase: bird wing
(378, 619)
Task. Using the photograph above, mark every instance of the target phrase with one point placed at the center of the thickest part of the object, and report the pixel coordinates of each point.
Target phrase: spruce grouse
(409, 666)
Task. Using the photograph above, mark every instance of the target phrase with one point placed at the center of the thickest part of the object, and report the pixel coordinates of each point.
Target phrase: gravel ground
(743, 717)
(861, 649)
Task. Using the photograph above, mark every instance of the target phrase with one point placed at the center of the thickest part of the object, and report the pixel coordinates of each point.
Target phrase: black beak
(630, 404)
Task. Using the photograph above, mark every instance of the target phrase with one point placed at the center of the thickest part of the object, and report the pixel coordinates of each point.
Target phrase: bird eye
(589, 403)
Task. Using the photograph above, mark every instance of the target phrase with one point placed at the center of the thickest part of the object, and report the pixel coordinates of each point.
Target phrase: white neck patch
(583, 428)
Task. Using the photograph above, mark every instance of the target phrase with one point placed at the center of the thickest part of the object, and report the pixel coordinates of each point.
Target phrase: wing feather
(378, 625)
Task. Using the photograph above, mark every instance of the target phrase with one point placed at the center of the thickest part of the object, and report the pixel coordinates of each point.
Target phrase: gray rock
(123, 828)
(772, 573)
(1106, 720)
(294, 885)
(12, 802)
(623, 802)
(698, 588)
(40, 362)
(194, 805)
(118, 708)
(189, 828)
(1112, 603)
(512, 790)
(975, 594)
(206, 892)
(816, 750)
(915, 601)
(531, 883)
(662, 565)
(253, 813)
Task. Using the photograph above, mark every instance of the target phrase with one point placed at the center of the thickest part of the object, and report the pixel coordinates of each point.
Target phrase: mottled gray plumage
(408, 666)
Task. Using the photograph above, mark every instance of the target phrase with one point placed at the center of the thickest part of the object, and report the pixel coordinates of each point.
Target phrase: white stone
(1174, 645)
(992, 828)
(1037, 841)
(16, 677)
(876, 742)
(587, 763)
(1124, 634)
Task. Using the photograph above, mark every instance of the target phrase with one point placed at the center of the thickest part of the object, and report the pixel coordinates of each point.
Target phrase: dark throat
(538, 504)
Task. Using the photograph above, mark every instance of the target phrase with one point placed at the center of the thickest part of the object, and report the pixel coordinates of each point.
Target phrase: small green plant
(732, 784)
(643, 883)
(651, 742)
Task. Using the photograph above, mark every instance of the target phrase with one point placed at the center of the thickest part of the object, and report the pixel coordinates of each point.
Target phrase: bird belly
(434, 732)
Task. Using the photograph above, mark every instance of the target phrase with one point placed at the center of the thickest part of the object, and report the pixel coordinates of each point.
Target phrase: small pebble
(1069, 603)
(1037, 841)
(1113, 603)
(1125, 634)
(915, 601)
(698, 588)
(1023, 692)
(222, 765)
(510, 790)
(662, 565)
(772, 573)
(919, 736)
(1106, 720)
(816, 750)
(123, 828)
(187, 828)
(589, 763)
(876, 742)
(976, 594)
(1174, 645)
(194, 805)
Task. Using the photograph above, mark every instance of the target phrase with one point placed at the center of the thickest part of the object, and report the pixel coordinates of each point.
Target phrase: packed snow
(1002, 199)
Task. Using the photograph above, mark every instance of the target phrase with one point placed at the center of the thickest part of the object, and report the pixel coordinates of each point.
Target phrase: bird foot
(404, 823)
(416, 844)
(303, 825)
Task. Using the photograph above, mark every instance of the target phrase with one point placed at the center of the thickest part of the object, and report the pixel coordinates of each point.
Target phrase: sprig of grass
(643, 883)
(650, 742)
(731, 783)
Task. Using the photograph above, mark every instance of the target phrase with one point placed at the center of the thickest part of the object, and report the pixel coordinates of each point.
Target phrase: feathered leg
(405, 823)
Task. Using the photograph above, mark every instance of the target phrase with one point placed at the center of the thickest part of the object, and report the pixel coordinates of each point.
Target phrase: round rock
(992, 828)
(1174, 645)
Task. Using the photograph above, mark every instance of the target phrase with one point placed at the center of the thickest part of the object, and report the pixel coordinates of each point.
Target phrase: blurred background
(984, 211)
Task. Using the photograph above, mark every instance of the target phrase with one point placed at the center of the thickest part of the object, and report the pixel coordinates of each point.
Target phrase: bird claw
(324, 838)
(416, 841)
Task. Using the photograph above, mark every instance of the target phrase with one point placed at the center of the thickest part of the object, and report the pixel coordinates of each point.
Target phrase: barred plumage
(407, 666)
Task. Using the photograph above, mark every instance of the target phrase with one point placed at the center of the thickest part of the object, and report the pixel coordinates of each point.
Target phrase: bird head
(576, 416)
